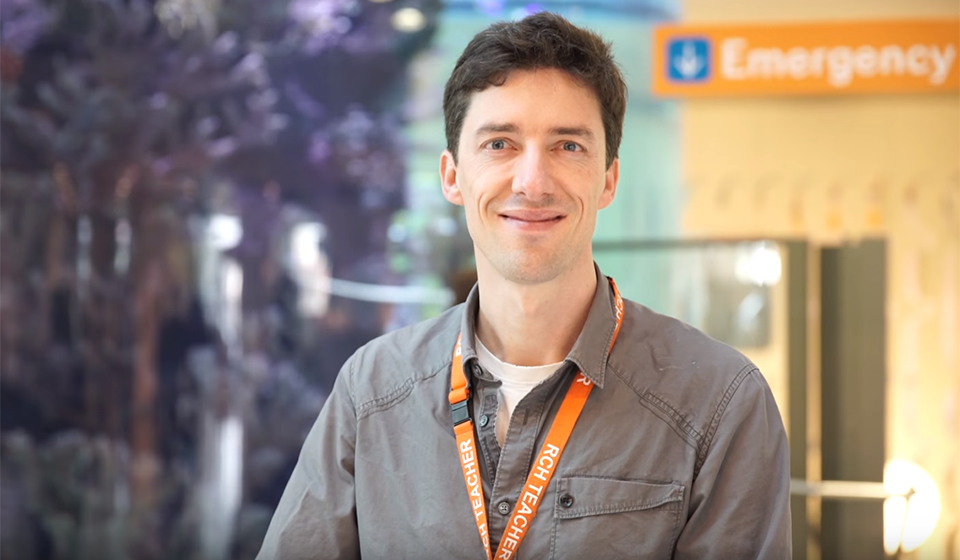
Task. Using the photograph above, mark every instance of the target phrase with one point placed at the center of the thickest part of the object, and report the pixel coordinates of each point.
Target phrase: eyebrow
(511, 128)
(496, 128)
(582, 132)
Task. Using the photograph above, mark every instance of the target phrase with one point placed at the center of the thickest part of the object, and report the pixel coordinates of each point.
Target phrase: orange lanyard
(543, 467)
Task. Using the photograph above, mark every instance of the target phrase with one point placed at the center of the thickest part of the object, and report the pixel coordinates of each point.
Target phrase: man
(545, 417)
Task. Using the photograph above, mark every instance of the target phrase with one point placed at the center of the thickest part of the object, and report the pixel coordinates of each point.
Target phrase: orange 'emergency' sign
(807, 59)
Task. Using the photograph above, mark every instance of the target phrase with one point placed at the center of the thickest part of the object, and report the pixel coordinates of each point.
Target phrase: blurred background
(207, 205)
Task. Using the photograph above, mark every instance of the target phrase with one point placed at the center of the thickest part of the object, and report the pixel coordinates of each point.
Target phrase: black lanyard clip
(460, 412)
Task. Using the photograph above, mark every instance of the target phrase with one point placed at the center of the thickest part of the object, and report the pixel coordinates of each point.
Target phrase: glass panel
(734, 291)
(723, 289)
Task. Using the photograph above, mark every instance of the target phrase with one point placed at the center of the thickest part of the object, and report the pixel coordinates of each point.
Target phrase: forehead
(535, 99)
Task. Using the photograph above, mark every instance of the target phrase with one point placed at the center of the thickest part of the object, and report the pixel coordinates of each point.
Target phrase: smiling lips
(532, 219)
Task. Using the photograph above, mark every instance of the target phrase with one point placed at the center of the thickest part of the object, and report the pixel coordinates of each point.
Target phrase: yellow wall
(834, 169)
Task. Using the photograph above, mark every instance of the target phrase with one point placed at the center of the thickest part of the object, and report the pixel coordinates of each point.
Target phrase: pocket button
(566, 500)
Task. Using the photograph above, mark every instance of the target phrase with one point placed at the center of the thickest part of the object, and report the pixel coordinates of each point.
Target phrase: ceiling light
(408, 20)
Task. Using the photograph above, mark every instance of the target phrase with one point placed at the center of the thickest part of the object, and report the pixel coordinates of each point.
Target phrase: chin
(531, 277)
(532, 271)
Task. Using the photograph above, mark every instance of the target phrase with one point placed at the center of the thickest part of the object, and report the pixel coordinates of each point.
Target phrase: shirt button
(566, 500)
(484, 420)
(504, 508)
(476, 370)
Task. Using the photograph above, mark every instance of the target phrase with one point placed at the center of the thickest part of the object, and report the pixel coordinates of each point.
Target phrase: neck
(533, 325)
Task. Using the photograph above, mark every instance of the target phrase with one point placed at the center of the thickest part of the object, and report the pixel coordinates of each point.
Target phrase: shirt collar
(590, 351)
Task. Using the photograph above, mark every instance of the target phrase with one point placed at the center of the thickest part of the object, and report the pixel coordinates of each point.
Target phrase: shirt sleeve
(317, 516)
(740, 499)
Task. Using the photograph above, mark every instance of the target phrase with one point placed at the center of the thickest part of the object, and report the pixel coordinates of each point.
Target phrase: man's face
(531, 175)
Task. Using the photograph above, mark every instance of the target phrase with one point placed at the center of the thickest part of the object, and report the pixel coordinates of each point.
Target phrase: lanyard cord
(545, 463)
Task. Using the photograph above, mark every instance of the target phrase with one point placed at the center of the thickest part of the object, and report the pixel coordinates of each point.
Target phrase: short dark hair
(542, 40)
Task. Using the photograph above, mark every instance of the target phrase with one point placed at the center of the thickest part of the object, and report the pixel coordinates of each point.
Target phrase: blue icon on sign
(688, 59)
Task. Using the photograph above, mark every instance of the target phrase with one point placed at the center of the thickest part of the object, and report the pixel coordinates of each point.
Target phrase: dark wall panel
(853, 373)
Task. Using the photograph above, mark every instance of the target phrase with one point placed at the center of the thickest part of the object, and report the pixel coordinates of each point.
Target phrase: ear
(611, 178)
(448, 179)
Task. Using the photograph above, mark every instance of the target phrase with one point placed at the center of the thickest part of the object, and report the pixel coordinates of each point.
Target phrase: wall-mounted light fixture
(910, 513)
(911, 502)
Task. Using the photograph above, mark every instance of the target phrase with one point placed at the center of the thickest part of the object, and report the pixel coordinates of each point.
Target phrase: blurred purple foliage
(123, 124)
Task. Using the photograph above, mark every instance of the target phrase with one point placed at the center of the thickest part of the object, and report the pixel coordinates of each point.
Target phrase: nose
(531, 175)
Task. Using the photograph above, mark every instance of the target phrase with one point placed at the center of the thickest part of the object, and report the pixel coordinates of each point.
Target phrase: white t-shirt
(516, 382)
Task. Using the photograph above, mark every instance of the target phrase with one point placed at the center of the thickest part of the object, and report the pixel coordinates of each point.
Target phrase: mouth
(532, 219)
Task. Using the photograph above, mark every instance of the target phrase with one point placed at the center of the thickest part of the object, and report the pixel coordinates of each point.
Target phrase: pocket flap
(580, 496)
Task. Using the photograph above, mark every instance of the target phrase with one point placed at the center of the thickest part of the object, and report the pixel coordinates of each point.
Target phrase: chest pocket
(611, 519)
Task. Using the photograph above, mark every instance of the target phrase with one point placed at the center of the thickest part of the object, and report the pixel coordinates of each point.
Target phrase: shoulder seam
(718, 414)
(690, 435)
(678, 418)
(392, 398)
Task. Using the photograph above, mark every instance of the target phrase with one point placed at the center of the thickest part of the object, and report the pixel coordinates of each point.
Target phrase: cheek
(491, 173)
(473, 202)
(479, 193)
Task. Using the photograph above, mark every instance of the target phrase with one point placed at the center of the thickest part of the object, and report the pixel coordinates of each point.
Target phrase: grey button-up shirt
(680, 452)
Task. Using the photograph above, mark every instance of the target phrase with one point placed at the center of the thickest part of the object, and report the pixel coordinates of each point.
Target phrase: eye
(571, 147)
(497, 144)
